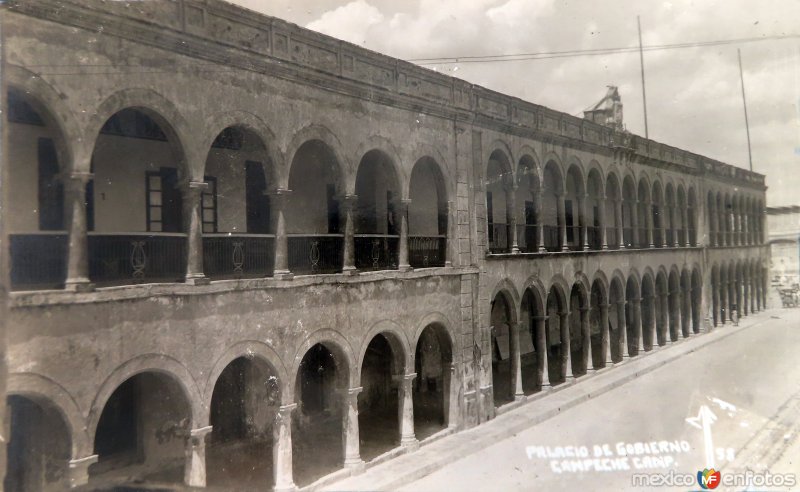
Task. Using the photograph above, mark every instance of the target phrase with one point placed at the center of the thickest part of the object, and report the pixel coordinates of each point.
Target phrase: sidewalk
(515, 417)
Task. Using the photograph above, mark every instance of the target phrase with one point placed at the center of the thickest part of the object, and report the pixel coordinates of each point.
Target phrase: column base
(542, 249)
(515, 250)
(409, 443)
(350, 270)
(285, 488)
(564, 248)
(197, 280)
(79, 470)
(283, 275)
(79, 285)
(355, 465)
(405, 268)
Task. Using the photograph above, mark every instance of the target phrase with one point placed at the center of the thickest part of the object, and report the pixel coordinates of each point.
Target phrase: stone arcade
(241, 252)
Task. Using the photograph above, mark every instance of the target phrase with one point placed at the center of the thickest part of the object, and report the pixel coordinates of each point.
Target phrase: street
(742, 381)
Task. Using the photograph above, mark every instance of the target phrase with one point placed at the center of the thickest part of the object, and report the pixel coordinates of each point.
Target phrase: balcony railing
(627, 236)
(238, 255)
(38, 260)
(681, 237)
(126, 258)
(376, 251)
(552, 238)
(595, 237)
(498, 238)
(321, 253)
(643, 243)
(427, 251)
(692, 237)
(528, 238)
(612, 238)
(574, 238)
(657, 241)
(670, 237)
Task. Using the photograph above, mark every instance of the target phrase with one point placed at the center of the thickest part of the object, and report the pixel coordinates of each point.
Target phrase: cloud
(350, 22)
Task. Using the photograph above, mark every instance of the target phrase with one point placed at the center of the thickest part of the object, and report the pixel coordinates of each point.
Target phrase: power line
(545, 55)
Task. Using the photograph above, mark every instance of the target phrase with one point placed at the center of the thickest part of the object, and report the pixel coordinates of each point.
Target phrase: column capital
(88, 460)
(347, 198)
(353, 392)
(193, 188)
(405, 378)
(201, 432)
(76, 177)
(286, 410)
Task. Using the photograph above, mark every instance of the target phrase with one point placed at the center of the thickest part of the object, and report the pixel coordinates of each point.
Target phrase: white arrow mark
(705, 417)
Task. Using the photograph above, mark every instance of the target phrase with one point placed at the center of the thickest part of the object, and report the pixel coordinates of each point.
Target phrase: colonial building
(784, 242)
(243, 253)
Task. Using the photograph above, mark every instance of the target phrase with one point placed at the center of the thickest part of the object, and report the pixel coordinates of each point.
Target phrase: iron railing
(498, 238)
(528, 238)
(595, 237)
(320, 253)
(238, 255)
(657, 242)
(427, 251)
(128, 258)
(627, 236)
(552, 238)
(575, 238)
(612, 238)
(376, 251)
(38, 260)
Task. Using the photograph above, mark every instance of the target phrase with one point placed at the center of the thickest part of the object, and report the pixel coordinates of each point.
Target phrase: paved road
(744, 380)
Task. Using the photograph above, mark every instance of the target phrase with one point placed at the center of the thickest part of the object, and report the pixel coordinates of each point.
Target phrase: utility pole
(744, 102)
(641, 65)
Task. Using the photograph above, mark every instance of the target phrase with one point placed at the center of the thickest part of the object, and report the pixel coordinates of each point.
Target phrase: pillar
(665, 316)
(605, 335)
(348, 202)
(562, 222)
(540, 221)
(352, 447)
(637, 324)
(542, 375)
(620, 224)
(194, 472)
(712, 224)
(651, 323)
(403, 264)
(407, 437)
(582, 204)
(282, 449)
(685, 223)
(635, 223)
(516, 360)
(278, 204)
(602, 210)
(566, 359)
(623, 330)
(675, 242)
(586, 351)
(194, 231)
(453, 383)
(78, 251)
(79, 470)
(451, 241)
(511, 217)
(649, 219)
(663, 227)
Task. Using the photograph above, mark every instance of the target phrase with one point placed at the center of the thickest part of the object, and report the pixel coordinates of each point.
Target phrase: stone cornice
(226, 34)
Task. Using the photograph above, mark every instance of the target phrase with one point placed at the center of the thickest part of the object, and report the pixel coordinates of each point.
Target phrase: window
(164, 202)
(208, 205)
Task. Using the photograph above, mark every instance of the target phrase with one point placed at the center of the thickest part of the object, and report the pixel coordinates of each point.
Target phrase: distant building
(608, 111)
(783, 226)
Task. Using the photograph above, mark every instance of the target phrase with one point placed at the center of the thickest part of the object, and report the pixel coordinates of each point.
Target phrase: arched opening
(502, 374)
(552, 215)
(697, 299)
(711, 208)
(598, 335)
(648, 311)
(691, 218)
(377, 224)
(659, 216)
(137, 231)
(556, 355)
(573, 215)
(674, 301)
(314, 224)
(732, 304)
(628, 212)
(527, 205)
(498, 190)
(244, 405)
(633, 315)
(662, 308)
(613, 205)
(642, 214)
(317, 423)
(669, 215)
(578, 310)
(728, 211)
(715, 308)
(238, 241)
(142, 431)
(594, 198)
(737, 295)
(431, 388)
(721, 224)
(427, 216)
(36, 156)
(681, 214)
(531, 343)
(616, 319)
(39, 446)
(686, 302)
(378, 401)
(723, 294)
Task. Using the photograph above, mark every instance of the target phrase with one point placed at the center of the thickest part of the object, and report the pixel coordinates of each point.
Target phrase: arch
(579, 346)
(598, 324)
(320, 133)
(662, 305)
(633, 322)
(435, 390)
(334, 342)
(697, 298)
(152, 363)
(381, 144)
(431, 152)
(616, 315)
(557, 333)
(648, 311)
(397, 340)
(250, 349)
(528, 203)
(428, 219)
(499, 149)
(691, 216)
(574, 194)
(506, 287)
(437, 318)
(503, 323)
(674, 302)
(686, 302)
(499, 179)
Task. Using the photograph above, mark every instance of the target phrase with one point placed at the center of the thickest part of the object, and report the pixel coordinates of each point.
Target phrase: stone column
(637, 324)
(563, 224)
(586, 336)
(194, 472)
(664, 225)
(620, 224)
(623, 330)
(516, 360)
(566, 359)
(685, 224)
(78, 251)
(712, 224)
(651, 323)
(194, 231)
(453, 390)
(584, 216)
(541, 353)
(282, 449)
(602, 210)
(403, 264)
(451, 241)
(278, 203)
(79, 470)
(511, 217)
(352, 446)
(675, 242)
(605, 335)
(635, 223)
(406, 410)
(540, 221)
(348, 202)
(650, 224)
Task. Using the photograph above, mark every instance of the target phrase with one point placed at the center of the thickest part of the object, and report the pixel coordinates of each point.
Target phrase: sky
(694, 98)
